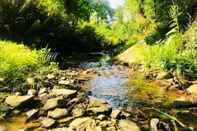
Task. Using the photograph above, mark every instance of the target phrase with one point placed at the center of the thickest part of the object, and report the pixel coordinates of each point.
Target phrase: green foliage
(16, 60)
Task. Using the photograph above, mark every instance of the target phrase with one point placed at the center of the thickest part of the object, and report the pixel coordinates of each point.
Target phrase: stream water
(114, 84)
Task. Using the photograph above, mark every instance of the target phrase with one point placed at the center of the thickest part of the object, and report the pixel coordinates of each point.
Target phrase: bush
(16, 60)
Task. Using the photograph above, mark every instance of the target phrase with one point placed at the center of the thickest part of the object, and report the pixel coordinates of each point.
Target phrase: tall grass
(15, 59)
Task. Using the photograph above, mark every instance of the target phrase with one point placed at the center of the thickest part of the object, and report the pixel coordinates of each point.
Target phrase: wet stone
(16, 101)
(126, 125)
(47, 122)
(57, 113)
(64, 92)
(31, 113)
(53, 103)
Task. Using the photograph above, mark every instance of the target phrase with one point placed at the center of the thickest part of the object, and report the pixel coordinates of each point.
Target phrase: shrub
(17, 59)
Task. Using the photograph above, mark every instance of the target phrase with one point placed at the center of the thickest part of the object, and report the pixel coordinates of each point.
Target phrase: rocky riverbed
(99, 97)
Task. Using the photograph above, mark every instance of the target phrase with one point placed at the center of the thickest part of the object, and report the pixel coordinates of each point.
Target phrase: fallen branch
(170, 117)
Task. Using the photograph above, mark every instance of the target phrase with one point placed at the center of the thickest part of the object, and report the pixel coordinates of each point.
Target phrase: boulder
(47, 122)
(64, 92)
(53, 103)
(58, 113)
(127, 125)
(15, 101)
(98, 106)
(192, 89)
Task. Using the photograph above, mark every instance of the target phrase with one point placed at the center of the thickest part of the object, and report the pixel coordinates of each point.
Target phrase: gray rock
(16, 101)
(126, 125)
(47, 122)
(58, 113)
(53, 103)
(64, 92)
(98, 106)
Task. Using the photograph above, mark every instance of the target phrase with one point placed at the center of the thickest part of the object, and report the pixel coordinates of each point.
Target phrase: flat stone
(64, 82)
(115, 114)
(32, 125)
(98, 106)
(64, 92)
(78, 111)
(15, 101)
(126, 125)
(31, 113)
(65, 120)
(53, 103)
(58, 113)
(192, 89)
(62, 129)
(82, 123)
(47, 122)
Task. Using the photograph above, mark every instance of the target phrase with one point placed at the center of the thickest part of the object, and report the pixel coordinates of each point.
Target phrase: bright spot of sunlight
(116, 3)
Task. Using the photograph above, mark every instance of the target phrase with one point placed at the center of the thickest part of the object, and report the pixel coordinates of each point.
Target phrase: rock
(115, 114)
(126, 125)
(78, 111)
(101, 117)
(53, 103)
(192, 89)
(163, 75)
(64, 92)
(65, 120)
(47, 122)
(58, 113)
(32, 113)
(32, 92)
(84, 123)
(32, 125)
(185, 102)
(50, 76)
(98, 106)
(64, 82)
(16, 101)
(62, 129)
(153, 124)
(42, 91)
(18, 93)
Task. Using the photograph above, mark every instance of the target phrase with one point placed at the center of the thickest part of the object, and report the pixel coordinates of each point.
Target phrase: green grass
(16, 60)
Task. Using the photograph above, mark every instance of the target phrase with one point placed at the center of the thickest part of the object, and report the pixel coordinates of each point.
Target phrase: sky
(115, 3)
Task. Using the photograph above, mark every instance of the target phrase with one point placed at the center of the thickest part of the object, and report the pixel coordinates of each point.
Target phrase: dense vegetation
(169, 27)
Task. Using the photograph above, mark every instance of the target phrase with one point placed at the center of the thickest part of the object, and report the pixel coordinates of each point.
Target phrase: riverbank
(78, 98)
